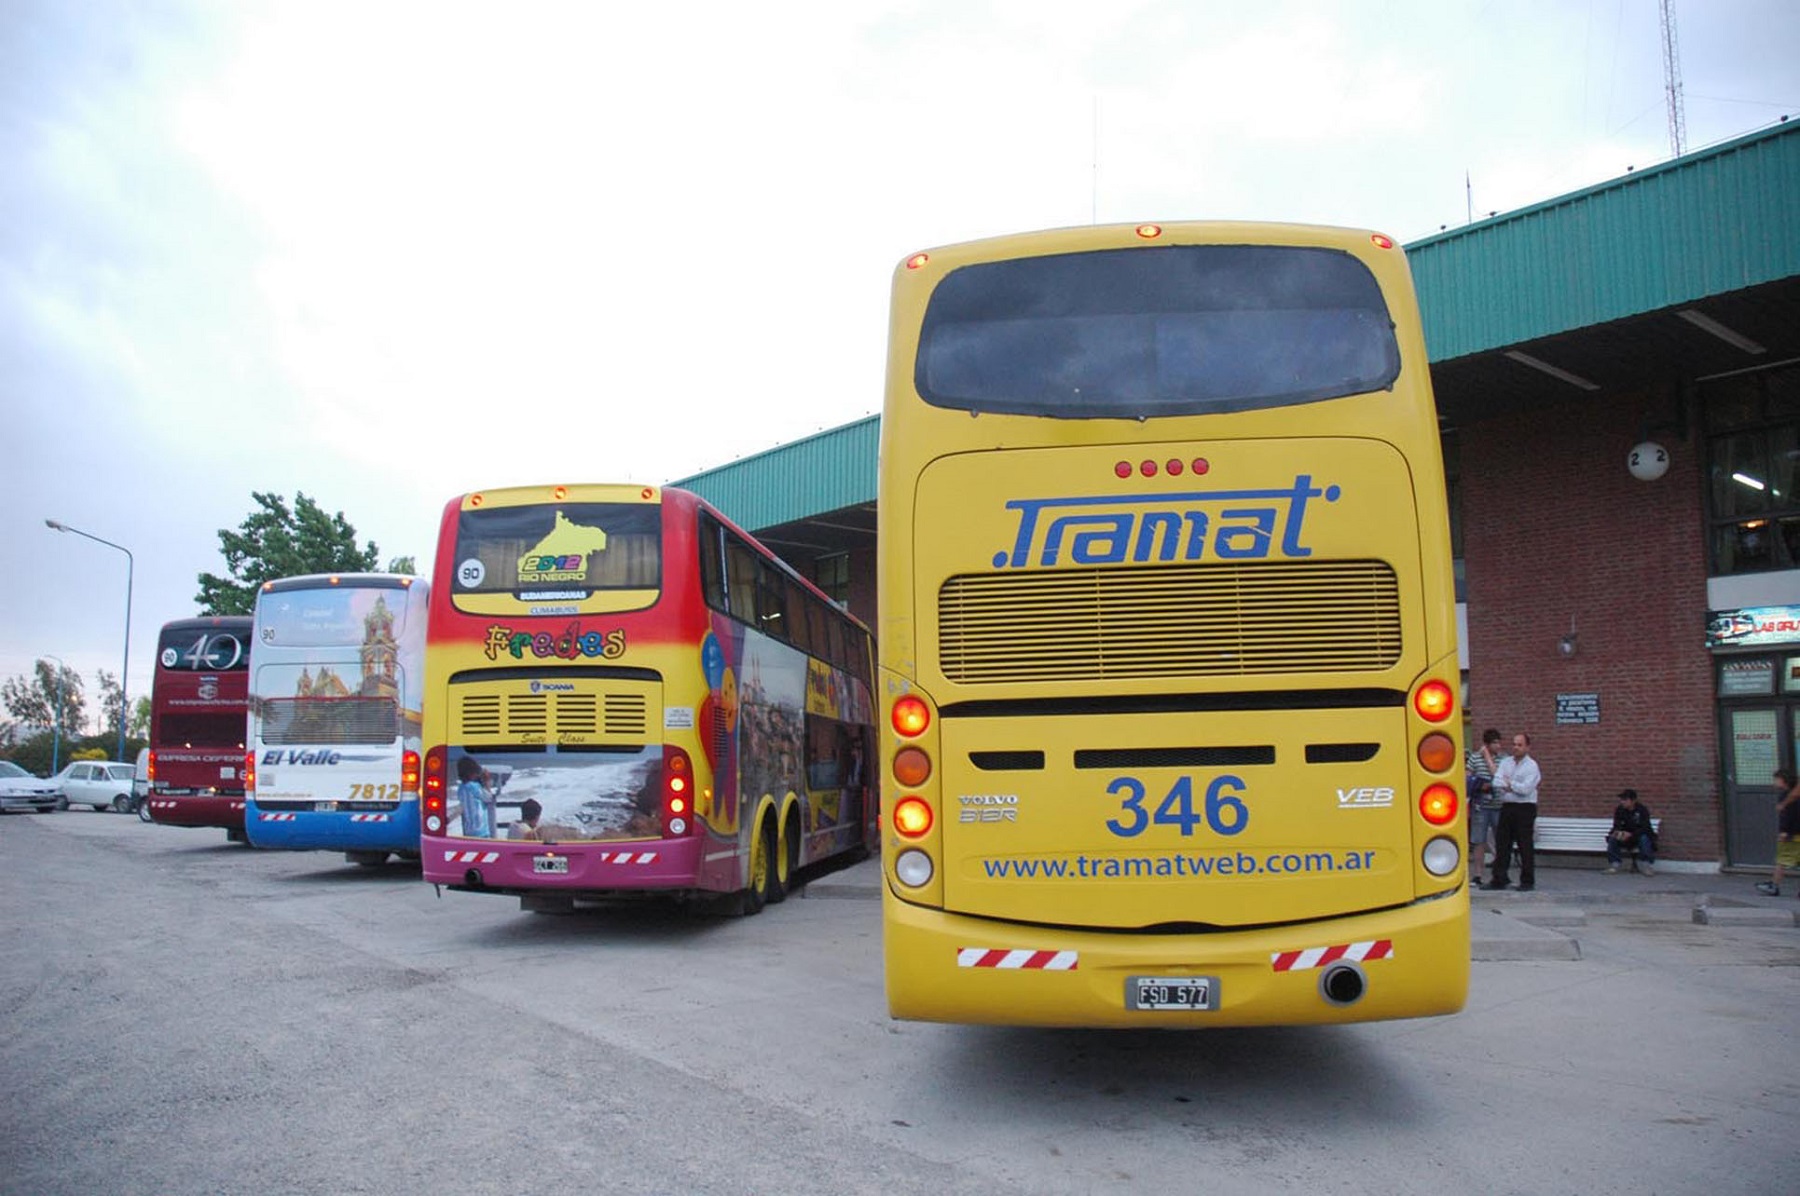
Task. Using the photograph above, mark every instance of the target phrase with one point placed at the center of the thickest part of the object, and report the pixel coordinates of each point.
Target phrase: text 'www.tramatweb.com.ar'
(1179, 865)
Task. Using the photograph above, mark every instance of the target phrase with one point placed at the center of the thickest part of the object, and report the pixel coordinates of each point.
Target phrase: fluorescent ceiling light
(1544, 367)
(1751, 482)
(1736, 340)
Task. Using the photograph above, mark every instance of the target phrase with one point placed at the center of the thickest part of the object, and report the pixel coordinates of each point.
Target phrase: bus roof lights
(1381, 241)
(911, 716)
(1149, 232)
(912, 817)
(559, 493)
(1434, 701)
(917, 260)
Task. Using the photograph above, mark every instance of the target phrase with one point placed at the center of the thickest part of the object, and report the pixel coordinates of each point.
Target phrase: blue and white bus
(335, 691)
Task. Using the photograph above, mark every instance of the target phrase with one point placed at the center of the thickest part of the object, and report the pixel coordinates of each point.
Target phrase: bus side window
(712, 565)
(740, 579)
(771, 600)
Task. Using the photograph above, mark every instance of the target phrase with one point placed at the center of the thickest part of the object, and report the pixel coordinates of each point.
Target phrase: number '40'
(1223, 810)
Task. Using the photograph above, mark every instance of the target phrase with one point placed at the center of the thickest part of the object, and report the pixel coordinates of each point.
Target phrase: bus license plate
(555, 864)
(1171, 992)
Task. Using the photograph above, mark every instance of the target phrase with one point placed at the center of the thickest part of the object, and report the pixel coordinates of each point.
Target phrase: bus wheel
(144, 811)
(787, 850)
(236, 835)
(762, 869)
(368, 859)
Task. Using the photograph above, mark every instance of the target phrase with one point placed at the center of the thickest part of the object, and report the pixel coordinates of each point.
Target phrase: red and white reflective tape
(261, 817)
(1318, 957)
(627, 857)
(470, 857)
(371, 817)
(1045, 961)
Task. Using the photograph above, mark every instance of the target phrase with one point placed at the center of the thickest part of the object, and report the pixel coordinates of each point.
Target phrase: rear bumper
(226, 811)
(342, 830)
(595, 867)
(942, 967)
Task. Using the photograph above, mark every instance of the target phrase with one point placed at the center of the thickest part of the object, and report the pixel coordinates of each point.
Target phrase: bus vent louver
(1169, 621)
(583, 715)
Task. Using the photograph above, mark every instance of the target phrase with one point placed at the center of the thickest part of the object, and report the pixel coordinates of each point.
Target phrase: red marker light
(1434, 701)
(1174, 467)
(1123, 469)
(911, 716)
(1149, 231)
(1147, 468)
(917, 260)
(1382, 242)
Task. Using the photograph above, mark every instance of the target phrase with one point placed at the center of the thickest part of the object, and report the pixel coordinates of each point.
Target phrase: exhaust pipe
(1343, 984)
(472, 878)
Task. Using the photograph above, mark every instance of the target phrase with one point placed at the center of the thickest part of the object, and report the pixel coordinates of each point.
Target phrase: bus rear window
(550, 552)
(1168, 330)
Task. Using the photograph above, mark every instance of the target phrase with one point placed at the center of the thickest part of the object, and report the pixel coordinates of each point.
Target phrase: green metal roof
(824, 472)
(1709, 222)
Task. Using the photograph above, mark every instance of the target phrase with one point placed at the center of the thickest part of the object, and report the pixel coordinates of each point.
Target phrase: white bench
(1580, 834)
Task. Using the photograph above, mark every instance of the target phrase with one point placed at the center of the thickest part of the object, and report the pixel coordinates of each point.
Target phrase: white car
(21, 790)
(102, 784)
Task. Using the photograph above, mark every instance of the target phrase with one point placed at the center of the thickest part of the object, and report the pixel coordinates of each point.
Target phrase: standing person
(1787, 833)
(1632, 830)
(1484, 808)
(1516, 783)
(473, 799)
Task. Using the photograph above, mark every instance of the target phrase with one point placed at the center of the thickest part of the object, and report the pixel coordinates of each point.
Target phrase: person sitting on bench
(1631, 831)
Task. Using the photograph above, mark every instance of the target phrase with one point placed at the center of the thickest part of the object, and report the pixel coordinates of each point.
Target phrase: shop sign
(1738, 678)
(1753, 626)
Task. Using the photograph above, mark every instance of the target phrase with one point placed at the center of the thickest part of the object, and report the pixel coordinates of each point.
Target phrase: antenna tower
(1672, 81)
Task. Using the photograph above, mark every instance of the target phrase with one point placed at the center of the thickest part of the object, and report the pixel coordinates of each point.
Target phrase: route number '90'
(1223, 809)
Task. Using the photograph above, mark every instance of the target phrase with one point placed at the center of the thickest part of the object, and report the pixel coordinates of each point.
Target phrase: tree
(33, 700)
(402, 564)
(111, 699)
(140, 719)
(276, 542)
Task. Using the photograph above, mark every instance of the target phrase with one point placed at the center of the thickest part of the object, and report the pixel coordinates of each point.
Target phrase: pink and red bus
(198, 706)
(626, 695)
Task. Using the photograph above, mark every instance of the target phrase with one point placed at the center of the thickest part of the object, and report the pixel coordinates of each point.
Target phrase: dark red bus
(199, 704)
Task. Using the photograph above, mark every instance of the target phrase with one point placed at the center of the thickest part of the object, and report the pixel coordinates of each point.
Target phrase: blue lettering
(1114, 529)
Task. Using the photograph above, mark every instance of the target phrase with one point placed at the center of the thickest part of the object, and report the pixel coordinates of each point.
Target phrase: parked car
(21, 790)
(102, 784)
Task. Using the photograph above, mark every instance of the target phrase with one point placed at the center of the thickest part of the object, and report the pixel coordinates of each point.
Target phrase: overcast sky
(384, 253)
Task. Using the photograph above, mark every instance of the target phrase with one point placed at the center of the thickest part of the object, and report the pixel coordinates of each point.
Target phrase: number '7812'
(1222, 809)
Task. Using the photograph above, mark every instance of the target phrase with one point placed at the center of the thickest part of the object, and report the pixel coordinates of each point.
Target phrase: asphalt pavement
(1546, 922)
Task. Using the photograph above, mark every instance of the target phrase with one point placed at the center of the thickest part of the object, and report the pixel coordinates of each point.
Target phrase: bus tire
(144, 811)
(787, 850)
(762, 869)
(368, 859)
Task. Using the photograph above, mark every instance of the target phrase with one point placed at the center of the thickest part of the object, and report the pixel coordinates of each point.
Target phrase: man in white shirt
(1516, 784)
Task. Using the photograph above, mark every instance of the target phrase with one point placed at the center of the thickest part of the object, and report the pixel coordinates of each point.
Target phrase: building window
(1753, 469)
(832, 574)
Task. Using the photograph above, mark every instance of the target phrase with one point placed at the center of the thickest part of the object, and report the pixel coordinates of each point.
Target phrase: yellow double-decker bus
(1168, 659)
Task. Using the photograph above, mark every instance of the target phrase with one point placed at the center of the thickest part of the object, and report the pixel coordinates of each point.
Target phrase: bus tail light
(432, 801)
(912, 817)
(912, 766)
(1434, 701)
(150, 767)
(249, 772)
(409, 772)
(910, 716)
(678, 793)
(1437, 752)
(1438, 804)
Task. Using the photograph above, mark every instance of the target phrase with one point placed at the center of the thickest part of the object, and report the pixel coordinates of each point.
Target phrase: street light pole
(56, 723)
(130, 566)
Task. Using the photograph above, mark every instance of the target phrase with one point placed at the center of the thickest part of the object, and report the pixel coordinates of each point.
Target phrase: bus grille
(615, 716)
(1169, 621)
